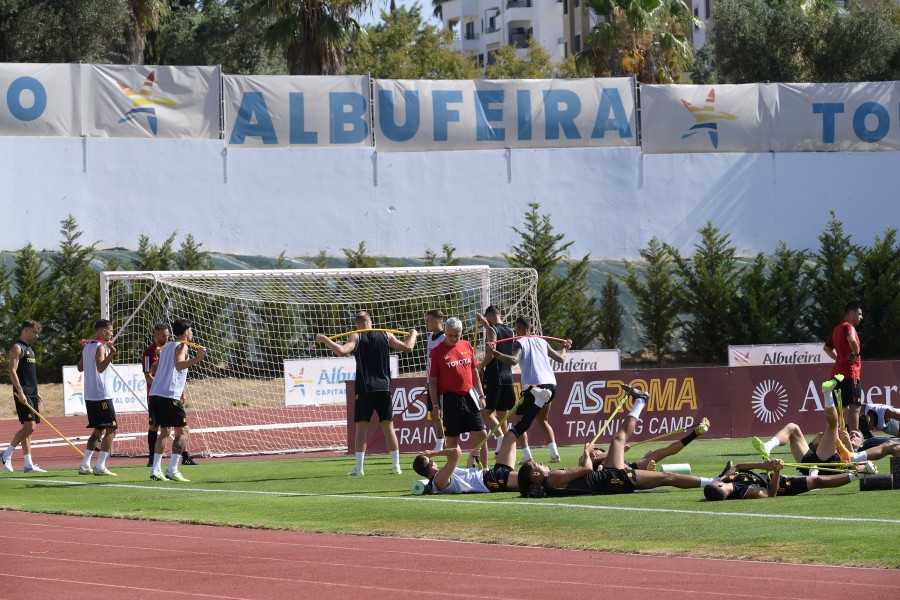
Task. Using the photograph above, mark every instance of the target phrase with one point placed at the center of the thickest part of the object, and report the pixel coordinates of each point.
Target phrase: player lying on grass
(452, 479)
(824, 447)
(742, 483)
(649, 461)
(536, 480)
(880, 417)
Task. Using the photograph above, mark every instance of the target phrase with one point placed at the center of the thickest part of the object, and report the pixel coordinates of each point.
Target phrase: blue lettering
(392, 131)
(253, 104)
(347, 114)
(443, 115)
(14, 97)
(523, 99)
(610, 100)
(828, 110)
(557, 117)
(859, 122)
(299, 135)
(484, 115)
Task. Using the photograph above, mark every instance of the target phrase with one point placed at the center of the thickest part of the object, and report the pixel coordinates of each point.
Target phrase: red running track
(52, 556)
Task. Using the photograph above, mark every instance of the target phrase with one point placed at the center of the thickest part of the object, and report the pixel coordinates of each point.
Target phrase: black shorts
(496, 479)
(151, 411)
(606, 482)
(792, 486)
(812, 457)
(428, 405)
(499, 396)
(460, 414)
(24, 410)
(101, 414)
(372, 402)
(850, 392)
(168, 412)
(528, 398)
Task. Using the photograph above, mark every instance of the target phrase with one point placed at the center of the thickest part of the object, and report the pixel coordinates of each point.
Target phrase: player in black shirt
(23, 375)
(741, 483)
(497, 377)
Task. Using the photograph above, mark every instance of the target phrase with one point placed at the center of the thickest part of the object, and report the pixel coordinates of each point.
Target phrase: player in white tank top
(887, 418)
(96, 364)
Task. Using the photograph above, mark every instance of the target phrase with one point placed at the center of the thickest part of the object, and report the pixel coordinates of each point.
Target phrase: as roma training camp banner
(739, 402)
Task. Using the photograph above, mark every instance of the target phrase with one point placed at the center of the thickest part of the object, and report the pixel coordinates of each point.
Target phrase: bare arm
(339, 349)
(80, 365)
(438, 410)
(476, 383)
(830, 351)
(854, 346)
(405, 346)
(104, 356)
(774, 479)
(509, 359)
(182, 362)
(442, 478)
(562, 477)
(559, 357)
(15, 353)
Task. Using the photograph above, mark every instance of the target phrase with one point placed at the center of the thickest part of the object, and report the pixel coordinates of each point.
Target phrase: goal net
(252, 322)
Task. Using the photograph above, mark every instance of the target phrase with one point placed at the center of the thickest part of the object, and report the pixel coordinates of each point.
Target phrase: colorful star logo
(142, 99)
(299, 381)
(706, 118)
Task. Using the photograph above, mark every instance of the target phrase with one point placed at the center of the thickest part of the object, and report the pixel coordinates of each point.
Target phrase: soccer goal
(252, 322)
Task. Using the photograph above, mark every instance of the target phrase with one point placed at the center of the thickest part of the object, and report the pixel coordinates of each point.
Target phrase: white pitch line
(179, 488)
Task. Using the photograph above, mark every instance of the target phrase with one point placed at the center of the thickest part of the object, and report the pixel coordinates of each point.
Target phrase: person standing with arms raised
(843, 346)
(95, 361)
(373, 384)
(23, 376)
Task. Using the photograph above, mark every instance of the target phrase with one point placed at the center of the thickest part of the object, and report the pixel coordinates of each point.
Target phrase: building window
(708, 11)
(577, 46)
(470, 30)
(576, 3)
(697, 15)
(566, 50)
(565, 4)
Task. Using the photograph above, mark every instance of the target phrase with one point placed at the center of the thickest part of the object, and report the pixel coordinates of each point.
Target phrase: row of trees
(752, 40)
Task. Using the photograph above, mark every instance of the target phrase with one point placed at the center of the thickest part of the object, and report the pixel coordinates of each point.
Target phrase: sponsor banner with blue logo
(151, 102)
(706, 118)
(419, 115)
(126, 378)
(40, 99)
(309, 382)
(276, 111)
(839, 117)
(778, 354)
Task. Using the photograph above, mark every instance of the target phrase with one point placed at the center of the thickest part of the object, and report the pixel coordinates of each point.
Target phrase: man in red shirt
(843, 347)
(148, 359)
(454, 382)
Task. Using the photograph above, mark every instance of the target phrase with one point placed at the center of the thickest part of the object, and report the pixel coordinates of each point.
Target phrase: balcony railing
(519, 3)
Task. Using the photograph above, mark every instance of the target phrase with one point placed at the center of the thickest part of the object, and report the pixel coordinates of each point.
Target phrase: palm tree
(143, 16)
(313, 34)
(642, 37)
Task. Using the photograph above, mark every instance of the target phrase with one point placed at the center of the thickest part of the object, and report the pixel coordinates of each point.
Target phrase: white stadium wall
(610, 201)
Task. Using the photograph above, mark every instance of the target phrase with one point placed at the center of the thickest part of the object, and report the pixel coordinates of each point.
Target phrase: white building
(481, 27)
(702, 11)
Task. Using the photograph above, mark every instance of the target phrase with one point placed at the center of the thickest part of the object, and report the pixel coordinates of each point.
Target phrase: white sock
(705, 481)
(8, 452)
(173, 463)
(101, 460)
(526, 453)
(813, 472)
(28, 463)
(157, 462)
(772, 444)
(395, 458)
(639, 404)
(499, 441)
(859, 457)
(829, 400)
(86, 461)
(554, 451)
(360, 457)
(438, 444)
(854, 476)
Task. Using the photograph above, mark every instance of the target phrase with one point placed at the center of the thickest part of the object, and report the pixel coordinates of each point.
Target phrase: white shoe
(84, 470)
(554, 458)
(355, 473)
(34, 469)
(7, 463)
(396, 471)
(157, 476)
(176, 476)
(104, 472)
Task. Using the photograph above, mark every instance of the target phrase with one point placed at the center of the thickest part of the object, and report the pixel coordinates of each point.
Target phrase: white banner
(777, 354)
(418, 115)
(148, 101)
(706, 118)
(123, 400)
(578, 361)
(272, 111)
(845, 117)
(314, 381)
(40, 99)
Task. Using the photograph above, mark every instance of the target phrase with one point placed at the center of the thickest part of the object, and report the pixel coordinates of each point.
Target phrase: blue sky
(373, 16)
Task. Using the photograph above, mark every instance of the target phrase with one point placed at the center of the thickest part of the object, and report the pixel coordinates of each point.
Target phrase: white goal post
(251, 321)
